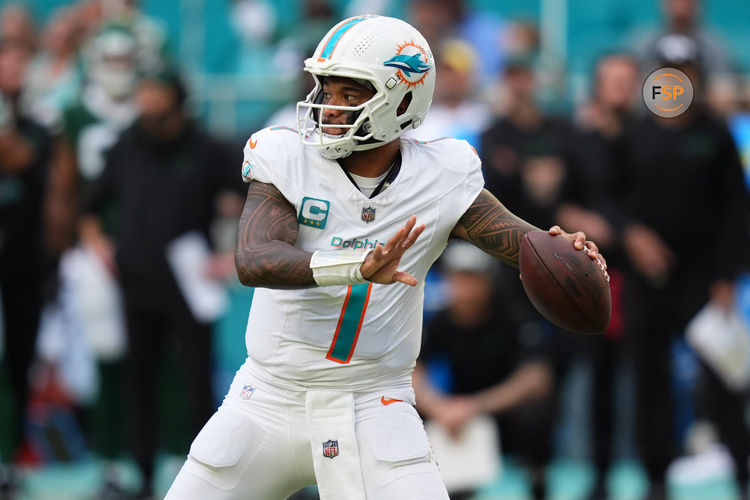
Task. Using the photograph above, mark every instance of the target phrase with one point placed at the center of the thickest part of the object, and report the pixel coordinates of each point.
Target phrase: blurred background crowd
(121, 130)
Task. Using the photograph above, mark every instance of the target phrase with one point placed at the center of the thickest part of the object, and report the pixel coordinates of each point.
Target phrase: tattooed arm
(494, 229)
(265, 254)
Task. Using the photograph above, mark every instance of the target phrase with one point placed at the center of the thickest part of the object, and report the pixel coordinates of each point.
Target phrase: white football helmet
(384, 53)
(113, 61)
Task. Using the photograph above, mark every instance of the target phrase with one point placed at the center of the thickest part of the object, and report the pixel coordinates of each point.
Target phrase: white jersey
(362, 336)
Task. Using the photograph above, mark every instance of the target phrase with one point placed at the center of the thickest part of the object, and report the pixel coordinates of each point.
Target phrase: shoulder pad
(267, 151)
(452, 154)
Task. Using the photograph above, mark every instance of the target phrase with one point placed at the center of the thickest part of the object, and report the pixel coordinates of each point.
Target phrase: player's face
(160, 114)
(13, 61)
(618, 83)
(470, 294)
(342, 92)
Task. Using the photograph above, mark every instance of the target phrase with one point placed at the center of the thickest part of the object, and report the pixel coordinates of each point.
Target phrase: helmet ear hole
(404, 104)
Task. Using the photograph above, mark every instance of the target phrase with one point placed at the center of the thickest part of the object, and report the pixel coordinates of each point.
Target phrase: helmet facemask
(359, 130)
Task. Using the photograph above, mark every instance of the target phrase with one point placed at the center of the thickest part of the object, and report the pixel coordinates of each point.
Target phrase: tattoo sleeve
(265, 254)
(493, 228)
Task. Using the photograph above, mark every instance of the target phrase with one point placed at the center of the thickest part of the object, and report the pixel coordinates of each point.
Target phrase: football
(565, 285)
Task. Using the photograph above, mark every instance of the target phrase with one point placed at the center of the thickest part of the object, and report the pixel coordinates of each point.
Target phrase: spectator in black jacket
(162, 180)
(616, 89)
(683, 222)
(530, 160)
(24, 157)
(498, 363)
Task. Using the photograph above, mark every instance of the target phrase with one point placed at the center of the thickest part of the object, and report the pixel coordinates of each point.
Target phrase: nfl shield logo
(368, 214)
(331, 448)
(247, 391)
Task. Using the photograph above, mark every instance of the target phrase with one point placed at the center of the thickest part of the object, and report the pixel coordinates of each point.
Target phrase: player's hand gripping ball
(567, 286)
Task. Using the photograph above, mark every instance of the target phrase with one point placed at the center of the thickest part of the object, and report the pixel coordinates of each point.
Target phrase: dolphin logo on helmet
(409, 64)
(412, 63)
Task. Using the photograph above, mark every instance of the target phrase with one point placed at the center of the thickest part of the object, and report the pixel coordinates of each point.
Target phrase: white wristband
(338, 267)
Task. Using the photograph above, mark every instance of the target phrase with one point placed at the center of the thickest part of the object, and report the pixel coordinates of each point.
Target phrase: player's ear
(404, 105)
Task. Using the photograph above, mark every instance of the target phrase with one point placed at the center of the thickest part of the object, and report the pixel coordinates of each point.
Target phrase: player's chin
(333, 132)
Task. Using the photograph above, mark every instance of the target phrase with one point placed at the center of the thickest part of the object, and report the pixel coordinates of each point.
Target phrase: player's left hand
(581, 243)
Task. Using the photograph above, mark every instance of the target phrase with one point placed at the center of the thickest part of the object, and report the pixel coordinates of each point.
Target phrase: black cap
(169, 77)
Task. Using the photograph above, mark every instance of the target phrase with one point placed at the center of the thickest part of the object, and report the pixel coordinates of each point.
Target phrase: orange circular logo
(667, 92)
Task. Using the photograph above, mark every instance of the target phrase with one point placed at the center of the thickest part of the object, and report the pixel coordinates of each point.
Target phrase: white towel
(330, 422)
(188, 256)
(722, 338)
(471, 460)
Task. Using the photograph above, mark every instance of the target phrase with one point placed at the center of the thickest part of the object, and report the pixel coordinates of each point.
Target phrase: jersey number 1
(350, 323)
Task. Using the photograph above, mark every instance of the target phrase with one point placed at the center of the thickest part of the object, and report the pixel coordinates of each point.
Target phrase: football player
(325, 395)
(89, 300)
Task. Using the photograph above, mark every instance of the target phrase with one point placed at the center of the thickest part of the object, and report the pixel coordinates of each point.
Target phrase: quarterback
(325, 394)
